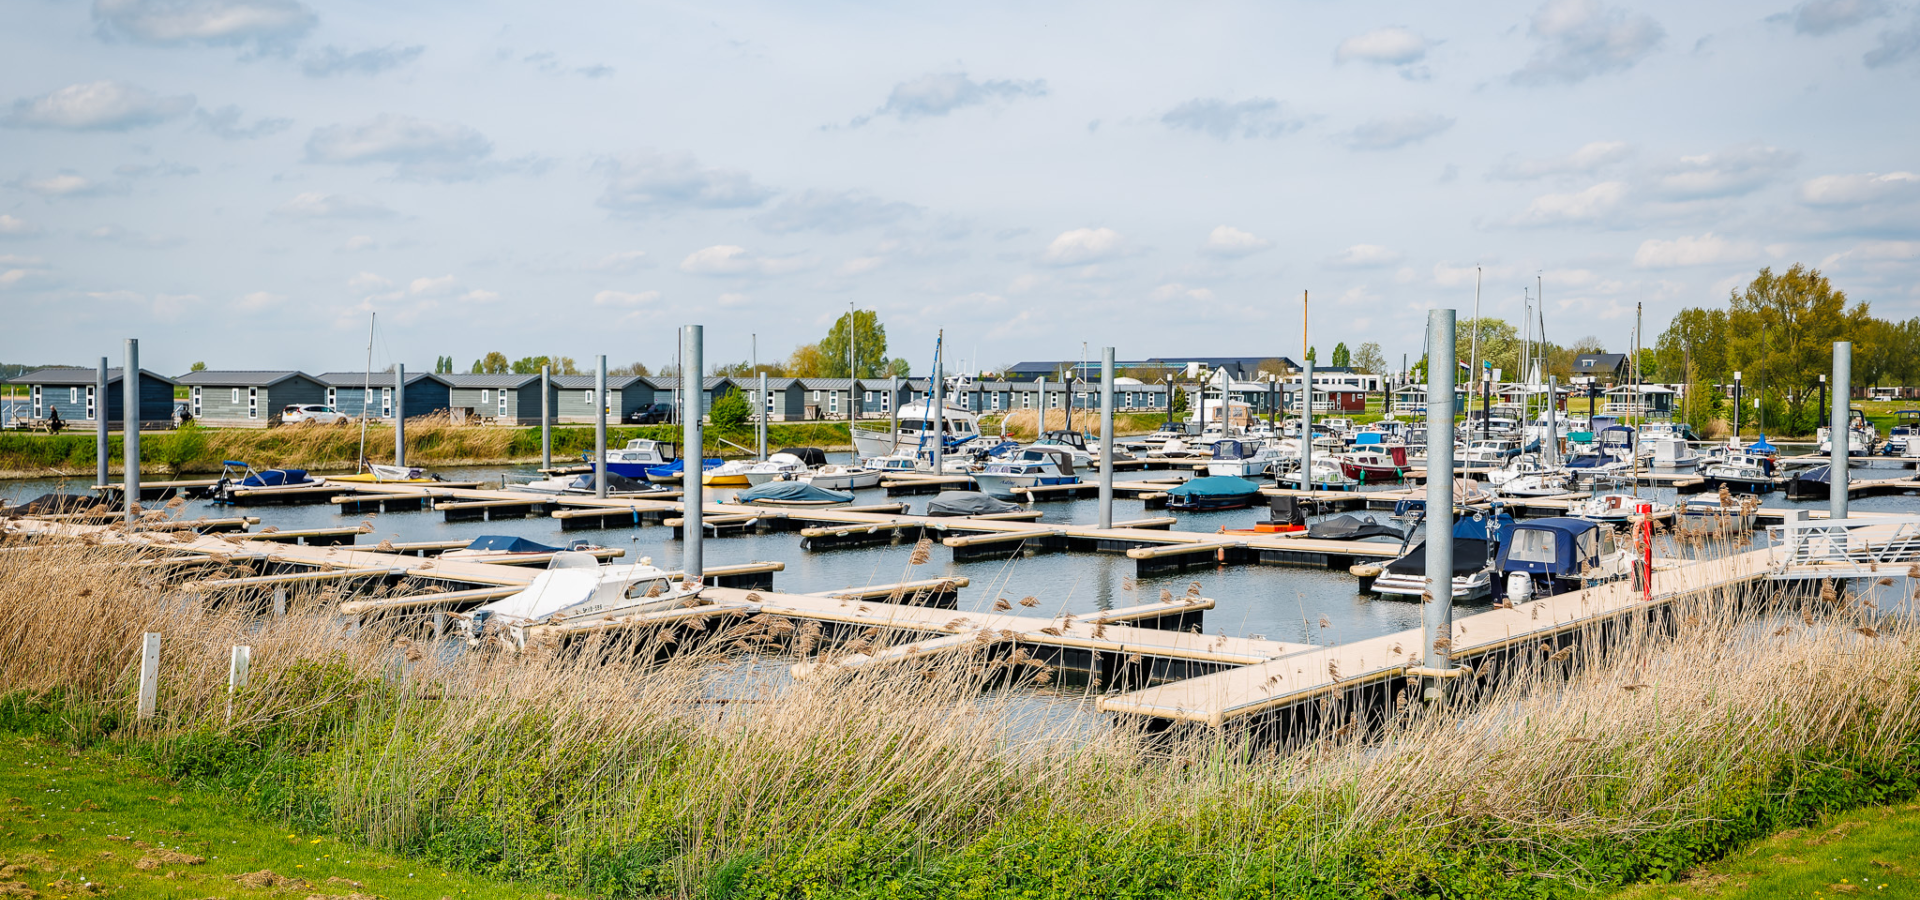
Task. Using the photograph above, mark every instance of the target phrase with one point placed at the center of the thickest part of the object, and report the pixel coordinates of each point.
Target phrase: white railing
(1852, 544)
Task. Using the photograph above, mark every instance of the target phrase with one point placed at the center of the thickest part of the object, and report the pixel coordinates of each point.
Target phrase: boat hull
(1197, 503)
(1002, 485)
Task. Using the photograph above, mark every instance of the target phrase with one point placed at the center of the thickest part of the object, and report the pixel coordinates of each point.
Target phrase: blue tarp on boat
(680, 465)
(1761, 446)
(1560, 547)
(275, 478)
(791, 492)
(1215, 486)
(507, 543)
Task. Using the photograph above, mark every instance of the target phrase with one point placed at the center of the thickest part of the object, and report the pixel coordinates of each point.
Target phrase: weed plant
(616, 767)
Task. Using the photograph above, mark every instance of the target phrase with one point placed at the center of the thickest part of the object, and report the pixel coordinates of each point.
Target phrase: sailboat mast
(366, 395)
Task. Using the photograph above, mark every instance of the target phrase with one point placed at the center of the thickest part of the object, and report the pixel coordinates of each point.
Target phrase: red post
(1643, 538)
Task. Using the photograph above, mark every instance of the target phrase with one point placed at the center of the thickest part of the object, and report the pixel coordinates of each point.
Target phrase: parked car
(311, 414)
(651, 415)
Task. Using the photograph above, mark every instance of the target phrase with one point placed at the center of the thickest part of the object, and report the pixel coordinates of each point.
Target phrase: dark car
(651, 415)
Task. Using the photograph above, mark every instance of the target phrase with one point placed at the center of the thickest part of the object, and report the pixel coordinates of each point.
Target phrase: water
(1281, 603)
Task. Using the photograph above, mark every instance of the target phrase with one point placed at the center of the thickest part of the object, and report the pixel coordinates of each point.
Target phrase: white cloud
(834, 212)
(1178, 291)
(731, 301)
(367, 283)
(1587, 160)
(1594, 204)
(938, 94)
(1228, 241)
(97, 106)
(861, 265)
(1705, 250)
(360, 242)
(1731, 172)
(1397, 131)
(1869, 252)
(318, 205)
(1897, 45)
(260, 300)
(127, 237)
(67, 184)
(726, 259)
(1822, 17)
(623, 298)
(1580, 39)
(335, 61)
(163, 22)
(433, 286)
(225, 123)
(1084, 245)
(649, 183)
(418, 148)
(479, 296)
(1447, 275)
(622, 261)
(1392, 46)
(12, 226)
(1364, 256)
(1260, 117)
(1859, 190)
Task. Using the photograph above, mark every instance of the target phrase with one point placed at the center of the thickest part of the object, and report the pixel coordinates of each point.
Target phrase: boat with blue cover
(1214, 492)
(1476, 544)
(236, 474)
(1543, 557)
(507, 547)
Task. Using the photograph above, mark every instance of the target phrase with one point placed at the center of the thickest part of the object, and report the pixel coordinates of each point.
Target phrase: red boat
(1375, 466)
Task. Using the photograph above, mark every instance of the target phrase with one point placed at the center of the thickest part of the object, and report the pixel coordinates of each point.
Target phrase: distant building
(1607, 367)
(355, 393)
(494, 399)
(248, 399)
(1239, 368)
(71, 391)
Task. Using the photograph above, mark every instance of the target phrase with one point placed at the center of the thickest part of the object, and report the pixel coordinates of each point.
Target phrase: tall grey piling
(400, 414)
(692, 455)
(600, 430)
(1436, 619)
(101, 474)
(760, 416)
(149, 674)
(1306, 422)
(893, 404)
(130, 430)
(937, 391)
(1106, 437)
(546, 417)
(1840, 426)
(1040, 426)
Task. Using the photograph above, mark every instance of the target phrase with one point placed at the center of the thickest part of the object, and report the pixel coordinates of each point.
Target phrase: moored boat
(575, 589)
(1213, 492)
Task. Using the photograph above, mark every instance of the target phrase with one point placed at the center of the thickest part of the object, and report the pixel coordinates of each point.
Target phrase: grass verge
(86, 823)
(1864, 853)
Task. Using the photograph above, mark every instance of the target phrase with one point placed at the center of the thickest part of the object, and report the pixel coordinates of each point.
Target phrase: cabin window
(816, 396)
(651, 588)
(253, 403)
(886, 401)
(1534, 545)
(196, 402)
(386, 403)
(769, 402)
(1127, 400)
(587, 398)
(73, 395)
(486, 396)
(236, 396)
(833, 402)
(503, 403)
(89, 403)
(869, 397)
(1026, 401)
(996, 402)
(333, 396)
(36, 401)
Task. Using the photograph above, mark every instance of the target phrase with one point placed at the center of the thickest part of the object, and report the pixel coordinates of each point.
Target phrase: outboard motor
(477, 625)
(1519, 587)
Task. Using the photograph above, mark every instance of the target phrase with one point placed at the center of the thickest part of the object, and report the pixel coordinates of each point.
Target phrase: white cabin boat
(1029, 467)
(576, 588)
(957, 423)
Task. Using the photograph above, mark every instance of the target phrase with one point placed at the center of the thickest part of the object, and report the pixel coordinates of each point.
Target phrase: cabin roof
(78, 376)
(243, 377)
(375, 379)
(489, 381)
(586, 382)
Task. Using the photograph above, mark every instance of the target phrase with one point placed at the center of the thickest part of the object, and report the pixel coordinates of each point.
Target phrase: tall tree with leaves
(1698, 336)
(869, 346)
(1369, 359)
(1342, 357)
(494, 363)
(1782, 327)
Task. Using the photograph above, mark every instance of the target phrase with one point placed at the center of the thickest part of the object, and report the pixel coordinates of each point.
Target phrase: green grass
(84, 823)
(1871, 852)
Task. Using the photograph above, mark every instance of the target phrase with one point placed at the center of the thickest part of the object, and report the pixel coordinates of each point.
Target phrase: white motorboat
(1618, 509)
(1668, 451)
(1243, 458)
(842, 478)
(1861, 435)
(575, 588)
(778, 466)
(1535, 484)
(638, 456)
(1028, 467)
(958, 424)
(1713, 514)
(584, 484)
(1327, 474)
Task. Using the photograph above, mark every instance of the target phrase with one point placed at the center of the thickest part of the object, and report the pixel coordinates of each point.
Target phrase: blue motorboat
(1543, 557)
(1213, 492)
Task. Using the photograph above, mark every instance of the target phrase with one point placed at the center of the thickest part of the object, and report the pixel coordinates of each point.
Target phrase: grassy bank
(430, 442)
(602, 770)
(88, 823)
(1872, 852)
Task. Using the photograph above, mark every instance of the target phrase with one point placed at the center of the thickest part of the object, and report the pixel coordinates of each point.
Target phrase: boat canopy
(1072, 439)
(507, 543)
(1560, 547)
(614, 483)
(1215, 486)
(1231, 449)
(1366, 437)
(1349, 527)
(1761, 446)
(1474, 527)
(1061, 458)
(812, 456)
(967, 503)
(1469, 556)
(275, 478)
(1817, 474)
(791, 492)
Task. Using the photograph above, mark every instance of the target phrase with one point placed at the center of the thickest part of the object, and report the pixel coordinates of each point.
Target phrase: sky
(244, 182)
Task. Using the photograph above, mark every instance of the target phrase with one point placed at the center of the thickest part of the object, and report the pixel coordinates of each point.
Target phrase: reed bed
(688, 764)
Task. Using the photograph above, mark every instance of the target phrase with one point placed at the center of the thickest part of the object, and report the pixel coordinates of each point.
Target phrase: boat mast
(366, 396)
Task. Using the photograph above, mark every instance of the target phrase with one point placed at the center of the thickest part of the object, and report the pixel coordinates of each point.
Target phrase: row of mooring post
(147, 701)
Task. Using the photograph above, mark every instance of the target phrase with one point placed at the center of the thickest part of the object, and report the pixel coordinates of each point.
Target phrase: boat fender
(1364, 570)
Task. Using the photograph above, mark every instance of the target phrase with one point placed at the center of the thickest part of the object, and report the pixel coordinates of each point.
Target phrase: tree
(869, 346)
(808, 361)
(1781, 328)
(494, 363)
(1499, 344)
(1701, 403)
(1312, 353)
(1272, 367)
(1589, 344)
(1369, 359)
(730, 412)
(443, 365)
(1342, 357)
(198, 367)
(1698, 336)
(899, 368)
(633, 368)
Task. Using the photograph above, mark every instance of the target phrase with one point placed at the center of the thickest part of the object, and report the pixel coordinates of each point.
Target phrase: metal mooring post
(149, 674)
(546, 417)
(100, 429)
(1840, 426)
(1106, 437)
(600, 430)
(130, 429)
(692, 347)
(1436, 618)
(400, 415)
